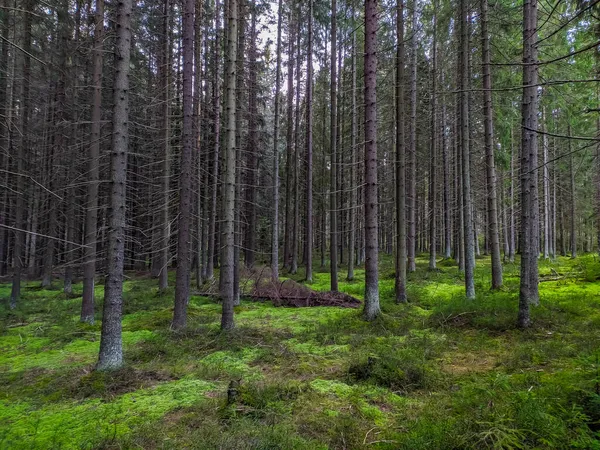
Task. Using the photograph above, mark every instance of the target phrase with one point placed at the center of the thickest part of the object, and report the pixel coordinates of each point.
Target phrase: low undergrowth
(442, 372)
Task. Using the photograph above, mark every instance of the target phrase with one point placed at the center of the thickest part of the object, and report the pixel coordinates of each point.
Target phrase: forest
(287, 224)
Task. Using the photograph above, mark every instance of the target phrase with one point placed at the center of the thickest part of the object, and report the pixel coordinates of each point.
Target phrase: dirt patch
(110, 384)
(466, 363)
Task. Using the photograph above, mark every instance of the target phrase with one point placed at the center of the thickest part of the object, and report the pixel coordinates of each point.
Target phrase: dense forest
(298, 224)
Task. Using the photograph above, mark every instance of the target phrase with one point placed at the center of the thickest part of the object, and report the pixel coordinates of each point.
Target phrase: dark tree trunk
(91, 213)
(353, 181)
(401, 250)
(308, 242)
(275, 218)
(19, 236)
(111, 345)
(228, 230)
(163, 244)
(333, 202)
(529, 176)
(371, 308)
(469, 258)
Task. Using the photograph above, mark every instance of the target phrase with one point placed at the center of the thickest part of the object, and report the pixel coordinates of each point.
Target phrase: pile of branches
(258, 285)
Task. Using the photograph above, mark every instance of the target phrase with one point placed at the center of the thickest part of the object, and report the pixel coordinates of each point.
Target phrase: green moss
(440, 372)
(86, 424)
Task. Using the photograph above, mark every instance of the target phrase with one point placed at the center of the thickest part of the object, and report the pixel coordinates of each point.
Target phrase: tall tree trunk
(289, 174)
(446, 197)
(433, 157)
(296, 225)
(60, 146)
(91, 213)
(529, 176)
(111, 344)
(4, 131)
(494, 235)
(469, 259)
(252, 147)
(163, 245)
(412, 165)
(333, 203)
(200, 166)
(572, 199)
(353, 179)
(228, 230)
(309, 149)
(401, 250)
(213, 210)
(275, 219)
(371, 308)
(182, 282)
(512, 240)
(546, 185)
(19, 237)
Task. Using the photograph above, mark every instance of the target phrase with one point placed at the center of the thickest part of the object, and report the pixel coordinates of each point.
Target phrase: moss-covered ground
(441, 372)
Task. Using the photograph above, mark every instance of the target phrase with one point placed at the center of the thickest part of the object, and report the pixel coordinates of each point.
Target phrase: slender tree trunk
(252, 148)
(333, 203)
(213, 210)
(163, 275)
(111, 345)
(275, 219)
(494, 235)
(412, 165)
(512, 240)
(60, 146)
(529, 175)
(433, 158)
(287, 240)
(546, 185)
(371, 308)
(296, 226)
(401, 250)
(19, 236)
(309, 149)
(182, 282)
(4, 130)
(469, 259)
(354, 162)
(573, 199)
(228, 230)
(200, 167)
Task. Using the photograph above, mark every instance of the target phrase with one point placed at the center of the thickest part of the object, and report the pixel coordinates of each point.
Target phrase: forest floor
(442, 372)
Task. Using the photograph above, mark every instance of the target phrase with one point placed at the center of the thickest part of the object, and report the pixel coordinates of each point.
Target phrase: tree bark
(412, 164)
(371, 308)
(163, 244)
(433, 156)
(213, 211)
(353, 179)
(289, 172)
(111, 345)
(488, 125)
(469, 259)
(308, 243)
(573, 199)
(528, 293)
(275, 218)
(252, 147)
(229, 172)
(182, 282)
(19, 237)
(401, 250)
(333, 206)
